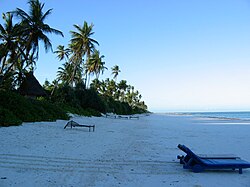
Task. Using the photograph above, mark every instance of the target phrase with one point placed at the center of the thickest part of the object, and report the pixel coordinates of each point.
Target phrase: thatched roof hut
(31, 87)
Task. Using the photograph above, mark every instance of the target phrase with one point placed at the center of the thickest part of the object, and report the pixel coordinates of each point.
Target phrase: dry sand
(121, 152)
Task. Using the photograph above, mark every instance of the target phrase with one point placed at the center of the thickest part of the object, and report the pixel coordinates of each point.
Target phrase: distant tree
(111, 87)
(62, 53)
(96, 84)
(95, 64)
(102, 88)
(122, 85)
(115, 71)
(69, 74)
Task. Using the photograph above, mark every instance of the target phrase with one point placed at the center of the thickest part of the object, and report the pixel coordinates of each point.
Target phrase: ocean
(224, 115)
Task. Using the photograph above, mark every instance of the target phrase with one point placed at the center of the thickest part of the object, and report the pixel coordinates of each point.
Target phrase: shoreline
(211, 115)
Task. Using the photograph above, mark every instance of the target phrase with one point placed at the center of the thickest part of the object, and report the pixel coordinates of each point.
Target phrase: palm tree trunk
(88, 81)
(3, 64)
(86, 78)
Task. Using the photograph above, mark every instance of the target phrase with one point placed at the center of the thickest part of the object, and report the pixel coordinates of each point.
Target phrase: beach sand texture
(120, 152)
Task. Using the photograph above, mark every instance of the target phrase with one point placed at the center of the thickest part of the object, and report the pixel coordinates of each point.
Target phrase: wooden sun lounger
(121, 117)
(75, 124)
(128, 117)
(110, 116)
(133, 117)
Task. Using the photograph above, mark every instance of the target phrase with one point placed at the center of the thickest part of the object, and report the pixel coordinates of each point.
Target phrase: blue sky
(182, 55)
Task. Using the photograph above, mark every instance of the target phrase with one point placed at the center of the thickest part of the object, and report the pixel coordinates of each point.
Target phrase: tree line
(82, 61)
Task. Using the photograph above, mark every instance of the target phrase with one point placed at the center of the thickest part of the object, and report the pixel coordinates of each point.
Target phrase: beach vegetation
(20, 41)
(77, 88)
(15, 109)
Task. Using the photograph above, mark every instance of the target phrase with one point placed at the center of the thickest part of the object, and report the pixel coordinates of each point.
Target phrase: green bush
(48, 111)
(8, 118)
(78, 98)
(16, 107)
(88, 102)
(118, 107)
(90, 99)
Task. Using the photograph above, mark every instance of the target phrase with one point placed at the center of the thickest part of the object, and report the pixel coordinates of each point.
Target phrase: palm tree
(111, 87)
(122, 86)
(115, 71)
(96, 84)
(82, 43)
(62, 53)
(63, 73)
(33, 29)
(50, 87)
(81, 40)
(103, 88)
(72, 66)
(9, 44)
(95, 64)
(12, 56)
(70, 73)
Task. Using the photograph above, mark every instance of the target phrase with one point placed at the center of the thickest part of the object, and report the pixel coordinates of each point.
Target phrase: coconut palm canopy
(20, 39)
(31, 87)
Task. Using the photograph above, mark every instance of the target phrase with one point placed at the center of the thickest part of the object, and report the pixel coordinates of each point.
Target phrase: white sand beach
(121, 152)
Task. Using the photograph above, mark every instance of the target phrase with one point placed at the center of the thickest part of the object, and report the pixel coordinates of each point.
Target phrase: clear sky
(182, 55)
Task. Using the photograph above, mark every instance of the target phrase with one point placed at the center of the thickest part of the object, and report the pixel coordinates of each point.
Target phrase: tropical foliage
(19, 47)
(121, 92)
(80, 55)
(115, 71)
(14, 109)
(77, 88)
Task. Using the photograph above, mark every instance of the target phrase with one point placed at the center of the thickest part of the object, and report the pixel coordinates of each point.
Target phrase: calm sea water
(227, 115)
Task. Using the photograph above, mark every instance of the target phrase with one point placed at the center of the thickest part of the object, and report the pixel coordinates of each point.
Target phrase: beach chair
(75, 124)
(184, 159)
(198, 164)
